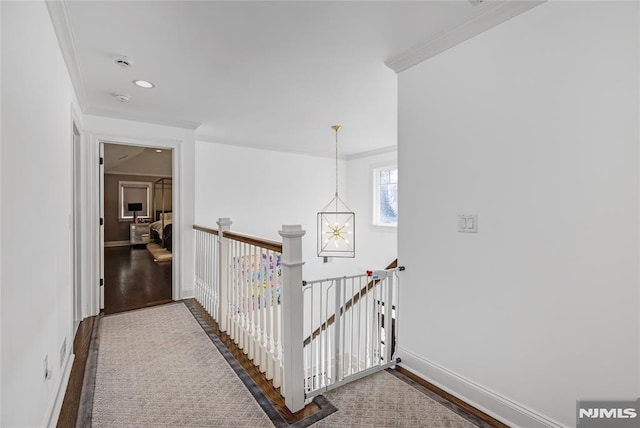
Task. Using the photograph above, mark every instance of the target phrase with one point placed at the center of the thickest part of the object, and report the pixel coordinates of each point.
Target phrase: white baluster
(214, 278)
(260, 311)
(337, 349)
(210, 274)
(243, 297)
(207, 255)
(269, 340)
(251, 310)
(236, 290)
(277, 337)
(224, 224)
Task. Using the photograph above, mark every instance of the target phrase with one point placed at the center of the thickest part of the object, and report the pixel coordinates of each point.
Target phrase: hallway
(161, 366)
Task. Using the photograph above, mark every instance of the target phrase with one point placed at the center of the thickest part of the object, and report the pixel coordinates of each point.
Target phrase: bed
(161, 229)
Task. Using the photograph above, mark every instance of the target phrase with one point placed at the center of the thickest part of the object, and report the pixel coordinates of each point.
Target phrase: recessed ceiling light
(143, 84)
(158, 151)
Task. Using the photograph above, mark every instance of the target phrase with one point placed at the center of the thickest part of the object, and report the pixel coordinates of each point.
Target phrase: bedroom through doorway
(137, 200)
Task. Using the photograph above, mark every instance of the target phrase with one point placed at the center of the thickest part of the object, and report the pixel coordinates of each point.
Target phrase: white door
(77, 229)
(101, 198)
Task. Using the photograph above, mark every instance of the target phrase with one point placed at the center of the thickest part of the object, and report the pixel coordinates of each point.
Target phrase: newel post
(292, 315)
(224, 225)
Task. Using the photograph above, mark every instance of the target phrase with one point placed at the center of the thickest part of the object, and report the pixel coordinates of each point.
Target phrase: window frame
(138, 185)
(375, 218)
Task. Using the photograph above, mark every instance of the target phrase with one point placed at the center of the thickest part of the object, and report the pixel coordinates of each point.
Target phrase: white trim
(375, 189)
(101, 203)
(495, 13)
(177, 123)
(257, 145)
(188, 293)
(94, 172)
(59, 14)
(55, 405)
(134, 184)
(374, 152)
(490, 402)
(91, 227)
(112, 244)
(77, 214)
(136, 174)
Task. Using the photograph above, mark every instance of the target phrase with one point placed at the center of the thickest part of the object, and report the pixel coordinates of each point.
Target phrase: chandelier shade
(336, 224)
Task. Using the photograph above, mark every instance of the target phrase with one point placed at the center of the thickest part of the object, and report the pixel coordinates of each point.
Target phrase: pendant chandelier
(336, 223)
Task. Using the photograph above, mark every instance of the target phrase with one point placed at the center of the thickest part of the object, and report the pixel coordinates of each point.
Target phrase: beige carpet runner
(156, 367)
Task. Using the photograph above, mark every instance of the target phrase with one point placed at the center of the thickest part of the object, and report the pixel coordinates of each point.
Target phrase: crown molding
(495, 13)
(204, 138)
(374, 152)
(61, 21)
(175, 123)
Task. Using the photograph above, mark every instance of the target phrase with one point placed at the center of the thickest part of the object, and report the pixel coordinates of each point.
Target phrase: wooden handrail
(258, 242)
(205, 229)
(356, 297)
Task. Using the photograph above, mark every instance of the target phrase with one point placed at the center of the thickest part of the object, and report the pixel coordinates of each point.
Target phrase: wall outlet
(46, 371)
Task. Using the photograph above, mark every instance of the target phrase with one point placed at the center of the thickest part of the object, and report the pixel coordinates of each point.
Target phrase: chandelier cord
(337, 129)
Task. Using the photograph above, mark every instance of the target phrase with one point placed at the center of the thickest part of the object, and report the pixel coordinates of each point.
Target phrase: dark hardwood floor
(69, 410)
(133, 280)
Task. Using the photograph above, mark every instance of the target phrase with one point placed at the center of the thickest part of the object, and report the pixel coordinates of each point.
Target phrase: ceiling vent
(123, 61)
(123, 98)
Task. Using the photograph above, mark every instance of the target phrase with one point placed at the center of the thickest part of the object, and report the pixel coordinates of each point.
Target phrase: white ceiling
(264, 74)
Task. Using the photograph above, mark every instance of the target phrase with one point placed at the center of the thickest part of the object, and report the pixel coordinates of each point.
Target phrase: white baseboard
(53, 410)
(188, 293)
(117, 244)
(490, 402)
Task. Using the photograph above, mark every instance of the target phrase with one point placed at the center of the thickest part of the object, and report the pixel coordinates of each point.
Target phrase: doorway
(137, 212)
(77, 225)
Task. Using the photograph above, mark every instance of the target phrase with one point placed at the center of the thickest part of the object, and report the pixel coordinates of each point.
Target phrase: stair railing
(253, 289)
(250, 287)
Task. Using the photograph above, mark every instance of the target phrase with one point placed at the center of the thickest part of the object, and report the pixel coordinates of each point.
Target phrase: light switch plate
(462, 223)
(468, 223)
(472, 223)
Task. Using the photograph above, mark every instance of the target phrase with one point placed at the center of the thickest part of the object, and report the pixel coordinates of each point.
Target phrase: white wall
(36, 282)
(377, 245)
(260, 190)
(533, 125)
(0, 211)
(182, 141)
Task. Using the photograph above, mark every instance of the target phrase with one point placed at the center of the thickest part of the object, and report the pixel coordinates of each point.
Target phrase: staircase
(304, 339)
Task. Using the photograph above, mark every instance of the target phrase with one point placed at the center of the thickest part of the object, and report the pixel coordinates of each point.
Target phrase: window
(385, 196)
(131, 192)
